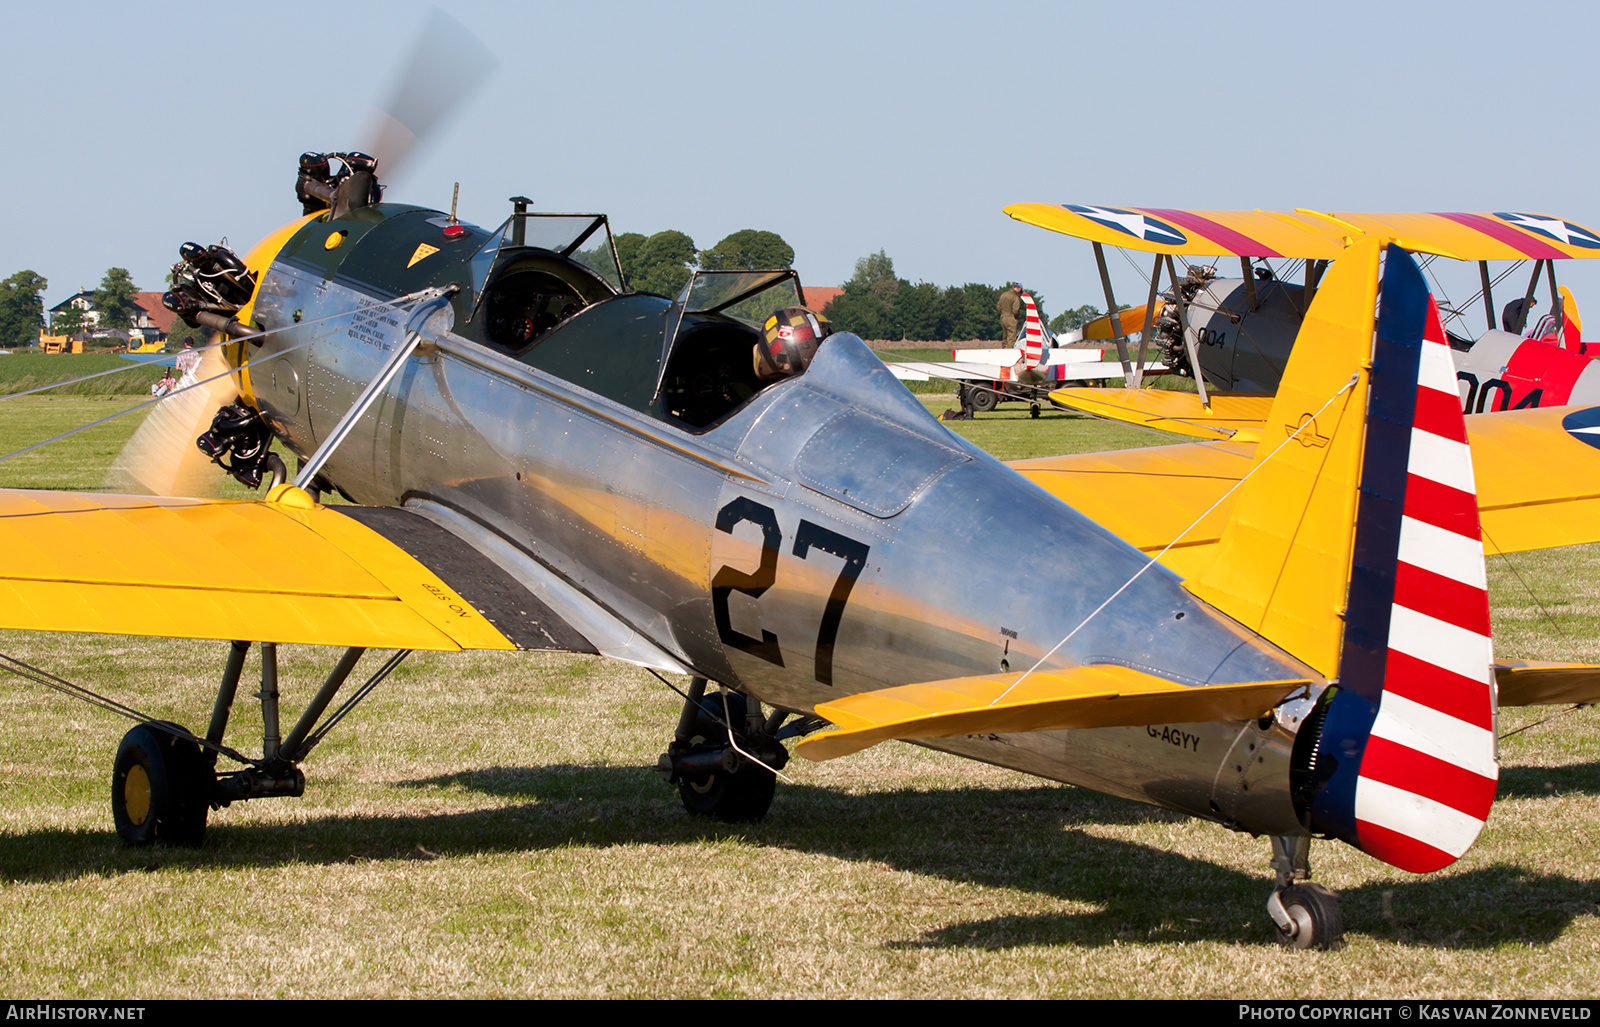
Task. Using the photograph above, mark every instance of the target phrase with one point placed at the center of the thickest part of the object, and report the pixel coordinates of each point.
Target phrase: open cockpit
(690, 361)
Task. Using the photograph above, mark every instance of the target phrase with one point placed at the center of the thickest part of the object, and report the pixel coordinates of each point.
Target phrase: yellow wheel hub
(136, 794)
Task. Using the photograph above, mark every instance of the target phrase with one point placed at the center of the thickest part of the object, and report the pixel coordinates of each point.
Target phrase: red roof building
(819, 296)
(159, 316)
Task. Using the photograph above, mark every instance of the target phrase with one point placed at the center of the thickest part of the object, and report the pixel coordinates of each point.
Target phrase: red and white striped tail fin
(1428, 774)
(1406, 760)
(1032, 335)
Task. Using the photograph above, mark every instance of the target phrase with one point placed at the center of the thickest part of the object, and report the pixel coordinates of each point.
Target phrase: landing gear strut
(165, 779)
(1306, 914)
(724, 753)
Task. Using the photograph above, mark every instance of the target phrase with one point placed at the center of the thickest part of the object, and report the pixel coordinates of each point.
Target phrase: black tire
(160, 789)
(1033, 411)
(984, 400)
(731, 798)
(1315, 911)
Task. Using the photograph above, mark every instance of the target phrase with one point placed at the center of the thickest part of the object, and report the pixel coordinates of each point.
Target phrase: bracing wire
(1346, 387)
(396, 302)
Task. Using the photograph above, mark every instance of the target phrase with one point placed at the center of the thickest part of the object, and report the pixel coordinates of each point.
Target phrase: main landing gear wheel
(738, 797)
(160, 788)
(1314, 911)
(984, 400)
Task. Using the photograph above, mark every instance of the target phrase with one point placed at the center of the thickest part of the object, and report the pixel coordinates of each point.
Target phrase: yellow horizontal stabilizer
(284, 571)
(1053, 700)
(1531, 683)
(1181, 413)
(1308, 234)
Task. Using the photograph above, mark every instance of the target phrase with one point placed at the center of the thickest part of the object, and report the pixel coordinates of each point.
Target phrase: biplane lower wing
(1538, 480)
(282, 570)
(1181, 413)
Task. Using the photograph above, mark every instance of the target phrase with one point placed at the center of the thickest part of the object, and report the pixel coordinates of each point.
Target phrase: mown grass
(488, 826)
(22, 371)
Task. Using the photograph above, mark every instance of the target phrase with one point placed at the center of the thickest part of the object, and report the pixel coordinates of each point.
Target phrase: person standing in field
(188, 364)
(1010, 307)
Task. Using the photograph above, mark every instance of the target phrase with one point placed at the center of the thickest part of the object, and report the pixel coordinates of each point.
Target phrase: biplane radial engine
(537, 458)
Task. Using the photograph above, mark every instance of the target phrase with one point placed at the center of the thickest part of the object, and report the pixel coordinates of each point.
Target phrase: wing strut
(1188, 336)
(433, 300)
(1111, 311)
(1149, 322)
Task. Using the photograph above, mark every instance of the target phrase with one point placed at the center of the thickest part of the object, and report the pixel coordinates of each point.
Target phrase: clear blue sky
(845, 127)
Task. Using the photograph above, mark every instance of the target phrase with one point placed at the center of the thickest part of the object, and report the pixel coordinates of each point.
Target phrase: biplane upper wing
(1313, 235)
(285, 569)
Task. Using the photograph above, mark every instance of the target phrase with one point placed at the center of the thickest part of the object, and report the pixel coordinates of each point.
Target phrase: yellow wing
(1076, 697)
(1531, 683)
(1181, 413)
(1311, 234)
(280, 570)
(1538, 485)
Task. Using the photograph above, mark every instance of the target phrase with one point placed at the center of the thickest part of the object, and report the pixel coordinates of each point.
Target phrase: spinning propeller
(446, 64)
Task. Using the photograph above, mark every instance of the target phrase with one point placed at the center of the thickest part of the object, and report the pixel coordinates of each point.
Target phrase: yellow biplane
(1233, 335)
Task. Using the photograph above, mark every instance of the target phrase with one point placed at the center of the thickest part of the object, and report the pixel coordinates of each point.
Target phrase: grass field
(22, 371)
(487, 826)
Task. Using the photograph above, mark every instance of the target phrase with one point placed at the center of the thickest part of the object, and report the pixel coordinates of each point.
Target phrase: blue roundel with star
(1553, 228)
(1131, 222)
(1584, 425)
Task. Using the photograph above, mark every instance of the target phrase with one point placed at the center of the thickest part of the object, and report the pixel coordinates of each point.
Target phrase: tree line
(876, 304)
(22, 313)
(662, 263)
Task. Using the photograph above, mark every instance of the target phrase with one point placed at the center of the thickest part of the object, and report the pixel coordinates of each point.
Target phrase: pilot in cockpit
(789, 340)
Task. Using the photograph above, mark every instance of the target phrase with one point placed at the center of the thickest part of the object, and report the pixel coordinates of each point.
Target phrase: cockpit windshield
(583, 238)
(749, 297)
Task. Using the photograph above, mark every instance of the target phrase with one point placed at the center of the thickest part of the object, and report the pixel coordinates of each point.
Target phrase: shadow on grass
(1027, 840)
(1540, 782)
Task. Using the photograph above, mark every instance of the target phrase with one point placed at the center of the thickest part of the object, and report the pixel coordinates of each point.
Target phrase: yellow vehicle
(59, 344)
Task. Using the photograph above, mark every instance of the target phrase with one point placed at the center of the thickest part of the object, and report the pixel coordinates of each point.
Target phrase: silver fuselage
(729, 547)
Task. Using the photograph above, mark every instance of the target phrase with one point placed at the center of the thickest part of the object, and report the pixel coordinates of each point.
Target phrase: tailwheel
(160, 787)
(713, 779)
(1314, 918)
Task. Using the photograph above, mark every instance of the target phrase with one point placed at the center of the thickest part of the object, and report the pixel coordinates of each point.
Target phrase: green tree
(875, 276)
(663, 263)
(114, 299)
(21, 308)
(921, 313)
(69, 322)
(180, 331)
(628, 246)
(748, 250)
(1077, 317)
(974, 312)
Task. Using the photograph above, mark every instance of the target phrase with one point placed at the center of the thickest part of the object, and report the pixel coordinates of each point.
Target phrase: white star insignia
(1553, 227)
(1137, 225)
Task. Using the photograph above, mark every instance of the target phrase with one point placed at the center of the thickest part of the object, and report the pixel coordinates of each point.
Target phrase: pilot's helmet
(788, 341)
